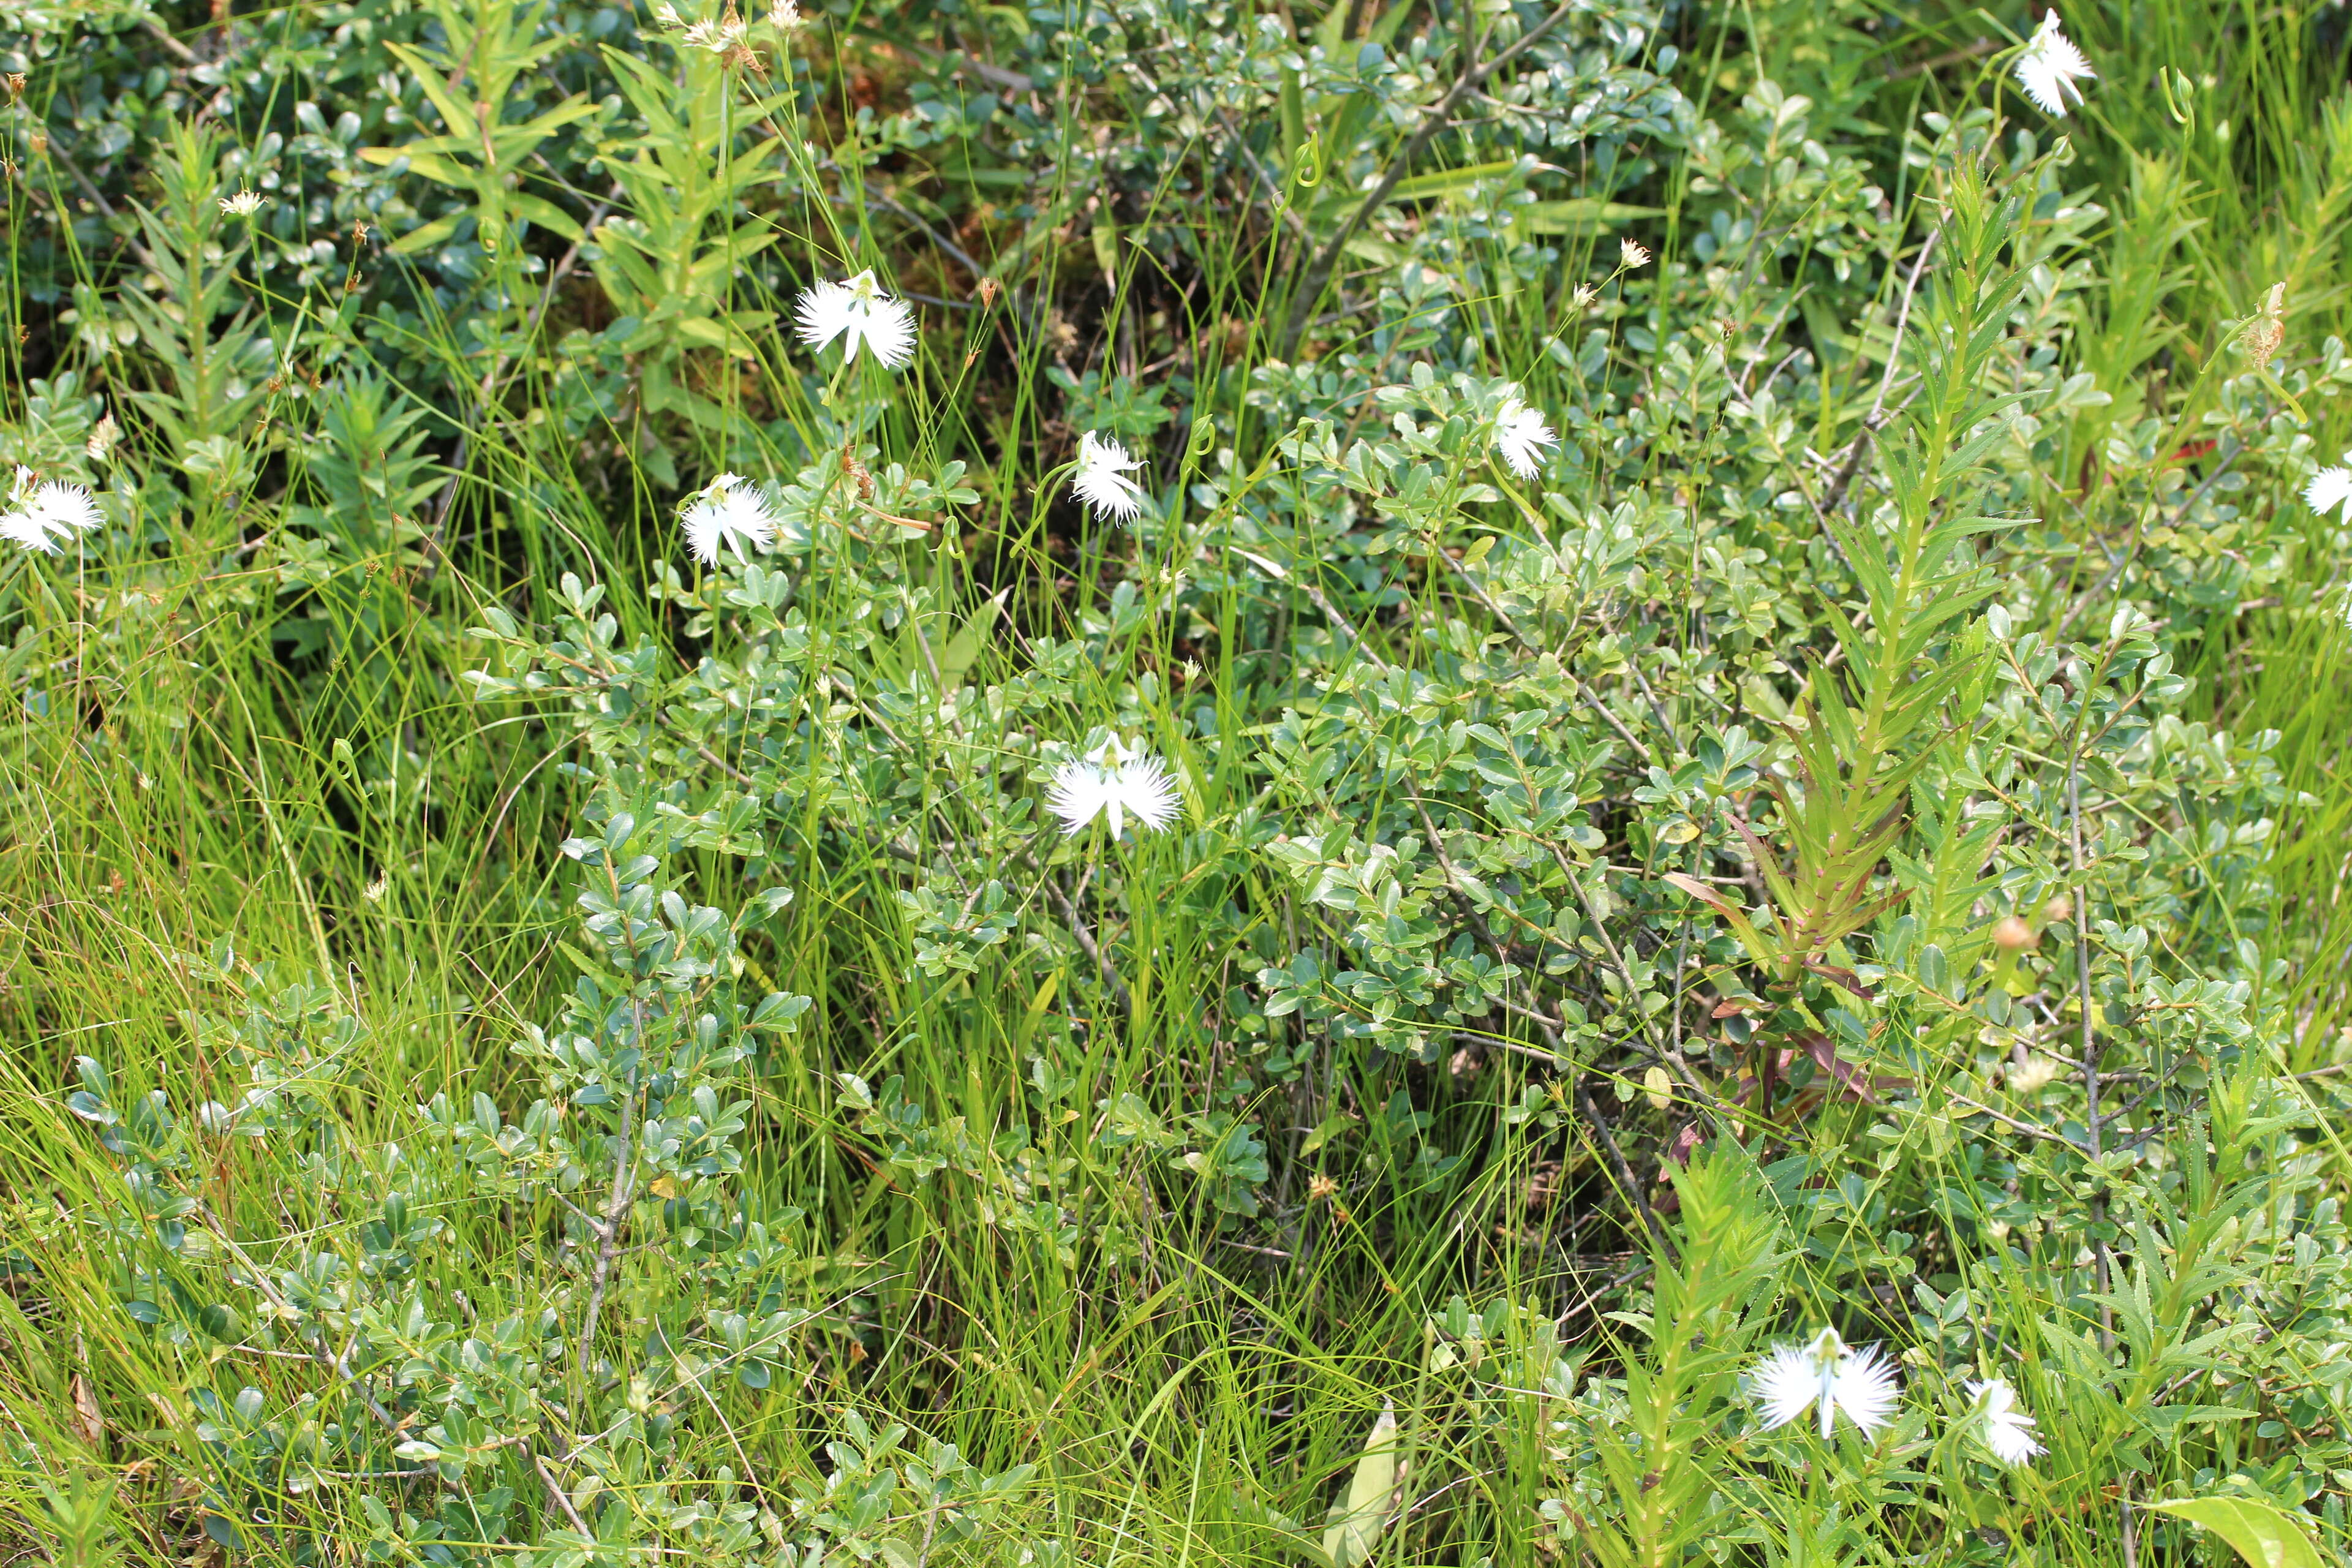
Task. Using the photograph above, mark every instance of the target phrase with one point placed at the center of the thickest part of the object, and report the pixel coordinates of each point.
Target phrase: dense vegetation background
(525, 1046)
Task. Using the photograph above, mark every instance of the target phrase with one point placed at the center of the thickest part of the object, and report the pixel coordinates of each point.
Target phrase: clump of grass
(1407, 728)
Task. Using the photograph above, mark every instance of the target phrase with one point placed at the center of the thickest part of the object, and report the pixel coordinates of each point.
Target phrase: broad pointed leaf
(2264, 1534)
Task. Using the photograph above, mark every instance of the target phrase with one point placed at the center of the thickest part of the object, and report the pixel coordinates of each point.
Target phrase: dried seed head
(2058, 910)
(1584, 296)
(2263, 334)
(2261, 339)
(16, 84)
(988, 290)
(102, 437)
(2014, 935)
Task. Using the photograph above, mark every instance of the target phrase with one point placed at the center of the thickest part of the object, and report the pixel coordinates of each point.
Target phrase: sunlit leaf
(2265, 1535)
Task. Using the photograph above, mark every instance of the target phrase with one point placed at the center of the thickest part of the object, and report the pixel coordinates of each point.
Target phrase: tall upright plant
(1909, 666)
(209, 379)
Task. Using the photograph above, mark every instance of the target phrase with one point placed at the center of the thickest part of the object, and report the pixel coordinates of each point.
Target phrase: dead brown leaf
(88, 1421)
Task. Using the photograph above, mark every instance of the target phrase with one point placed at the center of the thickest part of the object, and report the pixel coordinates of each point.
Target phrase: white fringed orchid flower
(2050, 66)
(1520, 436)
(1828, 1376)
(1112, 782)
(2008, 1430)
(1102, 482)
(727, 510)
(40, 515)
(859, 312)
(2331, 488)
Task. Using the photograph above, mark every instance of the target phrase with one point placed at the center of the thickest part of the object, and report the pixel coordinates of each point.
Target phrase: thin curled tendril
(1307, 168)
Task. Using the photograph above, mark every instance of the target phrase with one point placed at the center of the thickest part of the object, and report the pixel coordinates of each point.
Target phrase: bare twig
(1877, 416)
(1318, 271)
(1331, 612)
(1974, 1108)
(616, 1207)
(947, 246)
(1661, 1048)
(2091, 1118)
(1282, 207)
(1608, 714)
(338, 1364)
(1976, 49)
(1902, 323)
(563, 1499)
(1617, 1161)
(98, 199)
(1478, 591)
(1087, 942)
(556, 274)
(2140, 533)
(164, 34)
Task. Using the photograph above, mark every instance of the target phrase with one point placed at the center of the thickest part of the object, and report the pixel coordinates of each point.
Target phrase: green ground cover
(1502, 784)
